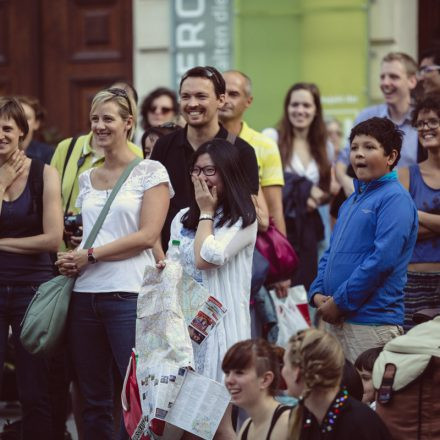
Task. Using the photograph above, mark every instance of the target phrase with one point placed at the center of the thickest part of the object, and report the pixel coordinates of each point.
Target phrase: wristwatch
(90, 257)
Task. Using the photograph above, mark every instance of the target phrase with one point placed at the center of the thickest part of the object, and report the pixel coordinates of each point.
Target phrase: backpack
(407, 377)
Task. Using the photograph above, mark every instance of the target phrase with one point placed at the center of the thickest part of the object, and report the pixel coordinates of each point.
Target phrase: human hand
(319, 299)
(160, 265)
(11, 169)
(66, 265)
(330, 312)
(206, 200)
(281, 288)
(311, 204)
(317, 194)
(76, 239)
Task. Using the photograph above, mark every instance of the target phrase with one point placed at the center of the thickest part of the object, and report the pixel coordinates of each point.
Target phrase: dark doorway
(63, 52)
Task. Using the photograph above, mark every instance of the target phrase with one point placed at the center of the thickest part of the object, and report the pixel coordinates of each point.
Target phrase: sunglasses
(162, 110)
(205, 72)
(123, 94)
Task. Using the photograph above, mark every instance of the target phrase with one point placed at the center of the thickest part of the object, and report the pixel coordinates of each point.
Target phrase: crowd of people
(204, 178)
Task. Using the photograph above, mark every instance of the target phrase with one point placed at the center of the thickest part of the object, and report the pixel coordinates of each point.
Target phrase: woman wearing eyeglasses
(423, 182)
(102, 315)
(159, 107)
(217, 236)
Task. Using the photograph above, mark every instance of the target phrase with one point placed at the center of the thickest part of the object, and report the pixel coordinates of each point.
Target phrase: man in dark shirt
(202, 94)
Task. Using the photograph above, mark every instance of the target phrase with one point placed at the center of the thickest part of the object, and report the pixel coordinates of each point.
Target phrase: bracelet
(206, 217)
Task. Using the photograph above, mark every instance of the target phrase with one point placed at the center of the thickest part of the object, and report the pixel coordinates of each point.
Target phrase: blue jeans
(101, 329)
(31, 372)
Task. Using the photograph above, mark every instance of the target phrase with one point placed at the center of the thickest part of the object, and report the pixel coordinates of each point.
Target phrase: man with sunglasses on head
(429, 70)
(202, 94)
(397, 81)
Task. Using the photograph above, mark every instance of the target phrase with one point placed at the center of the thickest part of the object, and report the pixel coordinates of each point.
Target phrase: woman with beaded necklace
(313, 365)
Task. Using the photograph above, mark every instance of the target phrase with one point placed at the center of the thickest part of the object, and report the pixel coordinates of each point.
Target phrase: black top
(276, 415)
(23, 218)
(40, 150)
(175, 153)
(346, 419)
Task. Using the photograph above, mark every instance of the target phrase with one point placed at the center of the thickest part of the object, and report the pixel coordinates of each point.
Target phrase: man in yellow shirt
(238, 100)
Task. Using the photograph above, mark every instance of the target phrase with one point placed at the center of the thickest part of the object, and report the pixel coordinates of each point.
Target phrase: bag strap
(68, 154)
(106, 208)
(36, 185)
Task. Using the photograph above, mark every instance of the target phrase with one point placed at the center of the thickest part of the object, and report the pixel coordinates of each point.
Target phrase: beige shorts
(356, 338)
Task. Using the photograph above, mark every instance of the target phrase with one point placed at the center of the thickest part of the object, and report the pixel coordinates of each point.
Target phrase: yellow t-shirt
(270, 170)
(83, 149)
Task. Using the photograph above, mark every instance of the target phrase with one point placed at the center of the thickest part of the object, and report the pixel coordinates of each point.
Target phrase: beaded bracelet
(206, 217)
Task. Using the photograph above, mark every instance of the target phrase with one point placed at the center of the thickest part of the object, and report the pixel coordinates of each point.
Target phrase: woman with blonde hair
(313, 366)
(102, 315)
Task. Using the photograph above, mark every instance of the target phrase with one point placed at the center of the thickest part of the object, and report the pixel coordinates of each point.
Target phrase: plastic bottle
(173, 253)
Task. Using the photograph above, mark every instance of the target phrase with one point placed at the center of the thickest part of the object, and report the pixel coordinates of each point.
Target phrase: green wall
(281, 42)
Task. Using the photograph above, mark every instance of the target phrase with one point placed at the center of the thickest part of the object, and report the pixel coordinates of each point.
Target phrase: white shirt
(122, 219)
(231, 248)
(311, 171)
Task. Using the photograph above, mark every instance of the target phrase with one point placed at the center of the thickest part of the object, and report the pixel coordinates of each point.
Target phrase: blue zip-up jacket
(364, 268)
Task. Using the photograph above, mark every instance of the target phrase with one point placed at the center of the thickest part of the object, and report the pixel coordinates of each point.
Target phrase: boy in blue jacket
(361, 276)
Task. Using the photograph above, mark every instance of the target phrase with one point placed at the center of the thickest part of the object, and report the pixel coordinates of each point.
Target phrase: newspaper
(199, 406)
(209, 315)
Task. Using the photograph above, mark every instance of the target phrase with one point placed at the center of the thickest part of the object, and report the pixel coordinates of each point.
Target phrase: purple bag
(280, 254)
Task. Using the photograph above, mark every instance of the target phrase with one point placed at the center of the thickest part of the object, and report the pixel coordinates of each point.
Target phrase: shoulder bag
(280, 254)
(43, 325)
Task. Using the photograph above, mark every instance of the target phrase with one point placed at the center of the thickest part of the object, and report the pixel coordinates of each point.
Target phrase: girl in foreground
(313, 365)
(252, 375)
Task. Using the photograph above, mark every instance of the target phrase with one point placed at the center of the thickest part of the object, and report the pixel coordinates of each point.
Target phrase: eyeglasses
(209, 170)
(427, 69)
(162, 110)
(430, 123)
(123, 94)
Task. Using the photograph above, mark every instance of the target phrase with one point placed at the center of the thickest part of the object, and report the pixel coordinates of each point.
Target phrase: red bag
(280, 254)
(131, 402)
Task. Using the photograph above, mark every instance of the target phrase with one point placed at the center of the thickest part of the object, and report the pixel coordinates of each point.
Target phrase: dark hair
(384, 131)
(366, 360)
(351, 380)
(256, 353)
(160, 131)
(317, 135)
(10, 108)
(433, 52)
(429, 102)
(148, 102)
(35, 105)
(210, 73)
(236, 201)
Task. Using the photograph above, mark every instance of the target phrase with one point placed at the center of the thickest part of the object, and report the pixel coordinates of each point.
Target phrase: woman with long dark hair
(158, 107)
(306, 157)
(217, 236)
